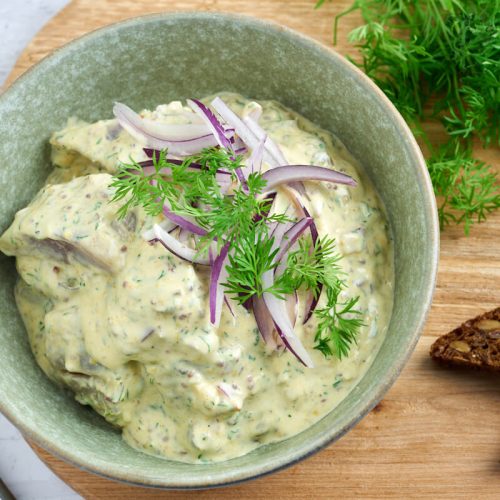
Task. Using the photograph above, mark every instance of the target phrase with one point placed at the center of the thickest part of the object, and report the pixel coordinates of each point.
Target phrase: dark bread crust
(474, 344)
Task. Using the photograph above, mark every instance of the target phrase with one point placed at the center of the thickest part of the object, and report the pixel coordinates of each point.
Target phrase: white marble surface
(20, 469)
(26, 476)
(19, 21)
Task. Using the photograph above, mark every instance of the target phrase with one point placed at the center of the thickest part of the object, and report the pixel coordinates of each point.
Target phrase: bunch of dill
(439, 60)
(242, 218)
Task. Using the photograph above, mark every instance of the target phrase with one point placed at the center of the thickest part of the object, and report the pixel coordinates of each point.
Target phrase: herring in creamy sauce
(125, 324)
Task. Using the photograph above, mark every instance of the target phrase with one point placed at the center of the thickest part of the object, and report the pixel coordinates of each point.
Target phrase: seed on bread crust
(474, 344)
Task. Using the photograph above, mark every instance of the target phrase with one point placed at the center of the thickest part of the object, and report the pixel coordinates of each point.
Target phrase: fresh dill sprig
(315, 268)
(466, 187)
(312, 267)
(242, 218)
(439, 60)
(338, 326)
(196, 193)
(252, 255)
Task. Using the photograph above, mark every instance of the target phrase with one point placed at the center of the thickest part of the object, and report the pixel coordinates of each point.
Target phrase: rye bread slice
(474, 344)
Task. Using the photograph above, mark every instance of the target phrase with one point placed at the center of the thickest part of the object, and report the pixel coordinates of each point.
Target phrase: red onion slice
(311, 300)
(291, 236)
(295, 173)
(252, 134)
(254, 162)
(257, 156)
(184, 236)
(166, 225)
(269, 197)
(264, 322)
(255, 113)
(277, 307)
(155, 134)
(270, 146)
(233, 120)
(194, 119)
(165, 131)
(277, 310)
(231, 305)
(239, 147)
(183, 222)
(303, 212)
(177, 248)
(292, 307)
(288, 241)
(216, 290)
(211, 121)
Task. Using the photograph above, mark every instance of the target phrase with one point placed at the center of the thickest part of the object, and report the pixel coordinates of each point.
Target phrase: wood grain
(437, 432)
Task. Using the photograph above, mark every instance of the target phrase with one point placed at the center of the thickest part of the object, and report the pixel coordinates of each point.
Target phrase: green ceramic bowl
(155, 59)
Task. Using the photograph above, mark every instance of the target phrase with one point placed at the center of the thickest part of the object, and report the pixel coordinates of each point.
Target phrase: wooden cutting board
(437, 432)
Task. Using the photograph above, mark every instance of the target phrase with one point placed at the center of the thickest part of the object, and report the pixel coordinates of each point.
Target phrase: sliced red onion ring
(270, 197)
(239, 146)
(240, 128)
(184, 236)
(252, 134)
(277, 307)
(311, 300)
(254, 162)
(183, 222)
(166, 225)
(270, 146)
(231, 305)
(211, 121)
(234, 121)
(165, 131)
(255, 113)
(189, 115)
(177, 248)
(295, 173)
(264, 322)
(291, 236)
(241, 177)
(311, 303)
(288, 241)
(303, 212)
(150, 153)
(216, 290)
(290, 346)
(292, 302)
(257, 156)
(277, 310)
(155, 135)
(272, 155)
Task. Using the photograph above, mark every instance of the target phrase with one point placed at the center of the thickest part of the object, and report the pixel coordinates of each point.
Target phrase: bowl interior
(156, 59)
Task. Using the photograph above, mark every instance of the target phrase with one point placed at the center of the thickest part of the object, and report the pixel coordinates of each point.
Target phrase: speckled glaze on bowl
(149, 60)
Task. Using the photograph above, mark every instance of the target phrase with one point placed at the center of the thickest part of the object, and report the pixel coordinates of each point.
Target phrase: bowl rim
(430, 209)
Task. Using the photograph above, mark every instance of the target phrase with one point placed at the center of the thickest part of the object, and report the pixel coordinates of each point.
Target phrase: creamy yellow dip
(125, 324)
